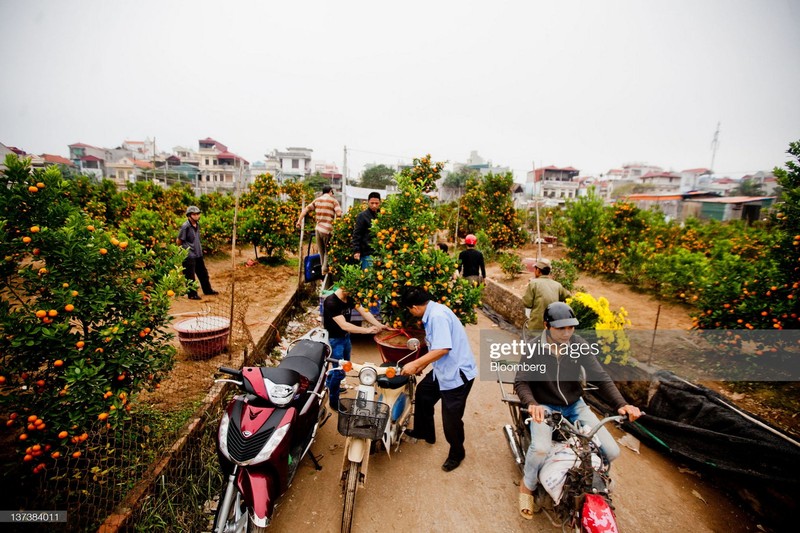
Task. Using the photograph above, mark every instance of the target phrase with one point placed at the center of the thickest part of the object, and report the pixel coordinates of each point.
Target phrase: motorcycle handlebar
(230, 371)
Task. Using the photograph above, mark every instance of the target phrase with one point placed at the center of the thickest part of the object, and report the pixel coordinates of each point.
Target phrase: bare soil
(254, 291)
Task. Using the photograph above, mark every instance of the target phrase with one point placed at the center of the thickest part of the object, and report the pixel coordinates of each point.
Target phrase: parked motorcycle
(574, 481)
(266, 432)
(377, 417)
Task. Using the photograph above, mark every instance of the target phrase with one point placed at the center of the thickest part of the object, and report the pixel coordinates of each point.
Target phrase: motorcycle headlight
(280, 394)
(273, 442)
(368, 376)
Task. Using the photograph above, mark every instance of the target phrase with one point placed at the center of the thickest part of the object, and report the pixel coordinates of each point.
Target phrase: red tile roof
(697, 171)
(230, 155)
(57, 160)
(659, 175)
(90, 158)
(217, 144)
(81, 145)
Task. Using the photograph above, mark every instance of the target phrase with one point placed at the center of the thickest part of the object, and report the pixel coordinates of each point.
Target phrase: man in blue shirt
(453, 374)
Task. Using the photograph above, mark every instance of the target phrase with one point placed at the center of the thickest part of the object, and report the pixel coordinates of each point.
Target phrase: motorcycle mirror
(412, 344)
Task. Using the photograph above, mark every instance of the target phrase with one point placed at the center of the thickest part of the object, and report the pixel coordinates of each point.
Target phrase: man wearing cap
(189, 238)
(563, 356)
(541, 292)
(470, 261)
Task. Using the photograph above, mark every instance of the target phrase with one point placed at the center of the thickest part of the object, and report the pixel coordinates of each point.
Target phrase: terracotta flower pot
(203, 336)
(392, 344)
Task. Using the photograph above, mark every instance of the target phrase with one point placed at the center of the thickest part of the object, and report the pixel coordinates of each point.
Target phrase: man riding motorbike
(561, 355)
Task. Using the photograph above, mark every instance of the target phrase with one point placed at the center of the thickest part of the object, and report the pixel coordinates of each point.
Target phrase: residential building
(693, 178)
(479, 164)
(330, 171)
(661, 181)
(292, 164)
(187, 155)
(553, 182)
(635, 171)
(219, 168)
(126, 170)
(767, 180)
(89, 160)
(722, 186)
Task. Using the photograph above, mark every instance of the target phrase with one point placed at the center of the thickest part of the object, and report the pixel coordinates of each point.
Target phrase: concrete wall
(504, 302)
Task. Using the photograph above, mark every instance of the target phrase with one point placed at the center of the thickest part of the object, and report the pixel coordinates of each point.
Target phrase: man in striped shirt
(326, 208)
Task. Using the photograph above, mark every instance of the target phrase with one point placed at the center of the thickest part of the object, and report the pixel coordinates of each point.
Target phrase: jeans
(366, 262)
(340, 349)
(542, 439)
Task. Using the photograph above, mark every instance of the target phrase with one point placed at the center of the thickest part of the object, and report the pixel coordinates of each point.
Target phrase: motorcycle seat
(391, 383)
(301, 365)
(281, 375)
(307, 358)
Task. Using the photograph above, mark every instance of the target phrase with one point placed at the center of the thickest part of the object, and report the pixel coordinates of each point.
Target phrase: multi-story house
(634, 171)
(767, 180)
(89, 160)
(553, 182)
(667, 182)
(187, 155)
(479, 164)
(692, 179)
(329, 171)
(127, 170)
(219, 168)
(292, 164)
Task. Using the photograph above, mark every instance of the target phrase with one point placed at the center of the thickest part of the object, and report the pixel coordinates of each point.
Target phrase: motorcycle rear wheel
(351, 485)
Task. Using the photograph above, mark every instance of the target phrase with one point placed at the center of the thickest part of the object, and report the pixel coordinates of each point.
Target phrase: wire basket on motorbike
(362, 419)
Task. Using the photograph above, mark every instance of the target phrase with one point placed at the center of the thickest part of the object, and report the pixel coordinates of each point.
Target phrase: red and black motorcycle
(268, 429)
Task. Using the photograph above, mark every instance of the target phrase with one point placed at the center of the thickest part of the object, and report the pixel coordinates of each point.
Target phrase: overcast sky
(589, 84)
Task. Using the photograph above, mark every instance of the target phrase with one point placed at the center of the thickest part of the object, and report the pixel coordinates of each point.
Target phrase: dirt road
(410, 492)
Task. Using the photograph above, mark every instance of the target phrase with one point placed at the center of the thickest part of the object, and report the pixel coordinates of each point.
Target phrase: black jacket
(361, 236)
(560, 384)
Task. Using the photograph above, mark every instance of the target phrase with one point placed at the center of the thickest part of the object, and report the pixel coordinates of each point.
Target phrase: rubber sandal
(526, 506)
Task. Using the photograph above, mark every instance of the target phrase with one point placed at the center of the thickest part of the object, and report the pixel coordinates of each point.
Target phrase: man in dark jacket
(555, 385)
(470, 261)
(189, 238)
(362, 248)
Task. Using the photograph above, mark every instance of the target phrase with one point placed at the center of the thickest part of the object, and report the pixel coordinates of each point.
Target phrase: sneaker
(211, 293)
(194, 297)
(450, 465)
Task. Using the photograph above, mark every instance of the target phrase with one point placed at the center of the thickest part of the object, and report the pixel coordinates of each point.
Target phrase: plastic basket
(362, 419)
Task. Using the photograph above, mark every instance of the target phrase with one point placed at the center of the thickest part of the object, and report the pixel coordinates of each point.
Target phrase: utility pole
(714, 146)
(344, 180)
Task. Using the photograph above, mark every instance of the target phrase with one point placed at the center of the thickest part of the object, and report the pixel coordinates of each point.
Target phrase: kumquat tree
(404, 255)
(83, 316)
(487, 206)
(267, 222)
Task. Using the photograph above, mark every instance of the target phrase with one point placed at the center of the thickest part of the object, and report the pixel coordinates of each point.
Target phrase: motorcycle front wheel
(350, 486)
(238, 519)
